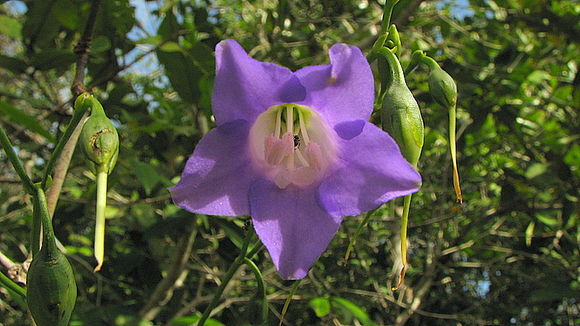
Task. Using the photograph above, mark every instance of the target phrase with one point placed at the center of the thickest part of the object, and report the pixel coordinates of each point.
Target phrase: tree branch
(164, 290)
(78, 87)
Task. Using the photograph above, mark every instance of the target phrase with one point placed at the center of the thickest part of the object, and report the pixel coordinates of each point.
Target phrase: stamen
(289, 119)
(301, 158)
(278, 123)
(303, 128)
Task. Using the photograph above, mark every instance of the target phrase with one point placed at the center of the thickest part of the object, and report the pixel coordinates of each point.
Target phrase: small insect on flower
(296, 141)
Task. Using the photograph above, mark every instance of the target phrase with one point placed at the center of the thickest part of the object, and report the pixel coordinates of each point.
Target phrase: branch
(82, 51)
(164, 290)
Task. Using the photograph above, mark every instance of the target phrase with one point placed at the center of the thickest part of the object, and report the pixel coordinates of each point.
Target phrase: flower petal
(343, 90)
(245, 87)
(372, 171)
(292, 226)
(217, 177)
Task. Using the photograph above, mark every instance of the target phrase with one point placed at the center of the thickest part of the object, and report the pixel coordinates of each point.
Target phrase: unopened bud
(400, 113)
(441, 85)
(99, 139)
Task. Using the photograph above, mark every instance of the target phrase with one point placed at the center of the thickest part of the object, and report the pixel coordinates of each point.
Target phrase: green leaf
(19, 117)
(10, 27)
(530, 233)
(52, 59)
(536, 169)
(170, 47)
(67, 14)
(147, 175)
(15, 65)
(192, 320)
(100, 44)
(549, 221)
(321, 306)
(182, 73)
(353, 309)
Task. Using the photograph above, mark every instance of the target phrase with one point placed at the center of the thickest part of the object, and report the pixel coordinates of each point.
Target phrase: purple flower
(295, 151)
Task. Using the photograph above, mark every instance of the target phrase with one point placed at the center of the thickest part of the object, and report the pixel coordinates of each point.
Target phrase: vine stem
(100, 223)
(288, 300)
(15, 161)
(9, 284)
(227, 278)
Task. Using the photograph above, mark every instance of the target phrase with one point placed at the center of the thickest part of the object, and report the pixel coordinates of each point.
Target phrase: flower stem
(261, 293)
(356, 234)
(453, 148)
(16, 163)
(9, 284)
(227, 278)
(387, 13)
(288, 300)
(404, 223)
(100, 221)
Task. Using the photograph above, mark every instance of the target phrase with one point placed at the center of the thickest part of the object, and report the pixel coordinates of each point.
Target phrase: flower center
(292, 144)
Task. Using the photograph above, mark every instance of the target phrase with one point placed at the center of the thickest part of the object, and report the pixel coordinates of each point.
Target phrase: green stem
(226, 279)
(16, 163)
(36, 227)
(100, 221)
(48, 238)
(404, 224)
(78, 114)
(387, 13)
(288, 300)
(261, 293)
(356, 234)
(9, 284)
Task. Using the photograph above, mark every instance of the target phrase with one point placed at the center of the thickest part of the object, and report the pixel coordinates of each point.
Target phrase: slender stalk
(261, 293)
(16, 163)
(100, 222)
(76, 118)
(9, 284)
(36, 228)
(288, 300)
(352, 241)
(387, 13)
(453, 148)
(226, 279)
(404, 224)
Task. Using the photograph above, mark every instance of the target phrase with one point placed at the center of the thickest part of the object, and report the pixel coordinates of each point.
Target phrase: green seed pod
(99, 139)
(400, 113)
(52, 290)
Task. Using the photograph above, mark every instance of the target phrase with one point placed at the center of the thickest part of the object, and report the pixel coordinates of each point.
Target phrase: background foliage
(508, 256)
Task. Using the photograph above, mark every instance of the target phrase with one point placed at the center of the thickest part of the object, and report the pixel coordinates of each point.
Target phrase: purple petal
(292, 226)
(217, 177)
(245, 87)
(343, 90)
(372, 171)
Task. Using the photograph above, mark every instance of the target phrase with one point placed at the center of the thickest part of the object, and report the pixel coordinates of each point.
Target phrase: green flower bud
(99, 139)
(400, 113)
(441, 86)
(51, 287)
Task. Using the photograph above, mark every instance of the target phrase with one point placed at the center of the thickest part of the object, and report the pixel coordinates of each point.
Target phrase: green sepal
(99, 138)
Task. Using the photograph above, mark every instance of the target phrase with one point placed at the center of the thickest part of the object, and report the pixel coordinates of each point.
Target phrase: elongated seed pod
(51, 287)
(400, 113)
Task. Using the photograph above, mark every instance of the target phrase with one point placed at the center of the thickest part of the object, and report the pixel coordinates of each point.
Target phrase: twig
(164, 290)
(82, 51)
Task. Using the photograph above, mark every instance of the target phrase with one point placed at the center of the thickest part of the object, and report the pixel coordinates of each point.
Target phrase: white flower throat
(292, 144)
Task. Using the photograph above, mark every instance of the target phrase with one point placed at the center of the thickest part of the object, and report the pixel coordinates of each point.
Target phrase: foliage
(508, 256)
